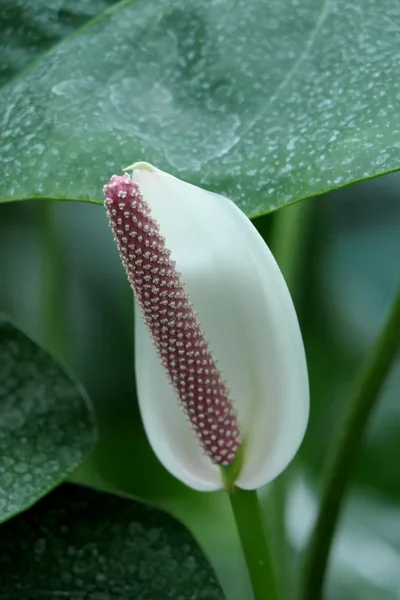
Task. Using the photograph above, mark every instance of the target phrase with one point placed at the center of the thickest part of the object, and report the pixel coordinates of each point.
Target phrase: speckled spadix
(220, 365)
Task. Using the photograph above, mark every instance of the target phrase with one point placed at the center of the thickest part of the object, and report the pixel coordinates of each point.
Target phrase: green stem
(288, 238)
(340, 464)
(53, 291)
(289, 235)
(274, 510)
(247, 514)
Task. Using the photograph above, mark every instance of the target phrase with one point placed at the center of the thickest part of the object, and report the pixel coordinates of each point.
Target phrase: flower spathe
(171, 321)
(244, 380)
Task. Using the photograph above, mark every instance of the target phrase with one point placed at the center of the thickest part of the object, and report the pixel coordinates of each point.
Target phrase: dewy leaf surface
(80, 544)
(46, 425)
(265, 102)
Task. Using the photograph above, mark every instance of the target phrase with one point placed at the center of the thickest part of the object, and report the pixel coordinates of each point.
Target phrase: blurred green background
(62, 282)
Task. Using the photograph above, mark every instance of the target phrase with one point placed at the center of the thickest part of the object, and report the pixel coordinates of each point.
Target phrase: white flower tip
(140, 166)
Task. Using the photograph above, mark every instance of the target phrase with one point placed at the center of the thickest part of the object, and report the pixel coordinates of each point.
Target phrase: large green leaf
(46, 425)
(267, 102)
(82, 544)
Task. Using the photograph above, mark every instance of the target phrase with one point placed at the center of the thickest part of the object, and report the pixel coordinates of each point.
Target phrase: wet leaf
(81, 544)
(46, 424)
(268, 104)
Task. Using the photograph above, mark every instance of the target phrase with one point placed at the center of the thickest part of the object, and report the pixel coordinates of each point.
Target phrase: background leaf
(266, 103)
(78, 543)
(46, 425)
(29, 28)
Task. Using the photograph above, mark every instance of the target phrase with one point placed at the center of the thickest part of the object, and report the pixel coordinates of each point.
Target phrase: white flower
(249, 386)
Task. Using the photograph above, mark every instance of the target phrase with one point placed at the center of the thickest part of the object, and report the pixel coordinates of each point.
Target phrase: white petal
(248, 317)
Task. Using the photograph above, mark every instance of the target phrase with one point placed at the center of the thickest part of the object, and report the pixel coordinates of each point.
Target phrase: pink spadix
(171, 320)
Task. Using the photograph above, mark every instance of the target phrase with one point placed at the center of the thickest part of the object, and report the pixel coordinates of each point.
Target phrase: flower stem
(288, 242)
(247, 514)
(344, 452)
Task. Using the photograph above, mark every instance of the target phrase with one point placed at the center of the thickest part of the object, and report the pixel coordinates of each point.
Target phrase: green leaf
(266, 103)
(46, 424)
(77, 543)
(27, 29)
